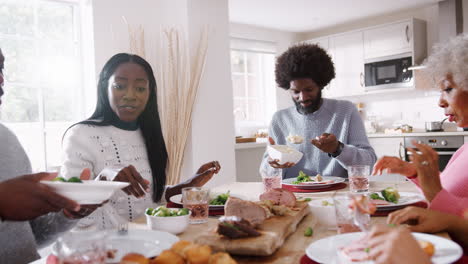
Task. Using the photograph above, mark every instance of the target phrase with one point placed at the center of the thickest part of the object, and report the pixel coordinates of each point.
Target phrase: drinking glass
(197, 200)
(358, 178)
(344, 214)
(271, 177)
(83, 247)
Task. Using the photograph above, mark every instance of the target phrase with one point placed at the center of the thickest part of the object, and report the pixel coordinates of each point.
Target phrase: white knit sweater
(100, 148)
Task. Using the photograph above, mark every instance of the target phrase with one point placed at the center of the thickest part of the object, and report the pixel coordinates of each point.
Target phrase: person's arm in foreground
(395, 245)
(431, 221)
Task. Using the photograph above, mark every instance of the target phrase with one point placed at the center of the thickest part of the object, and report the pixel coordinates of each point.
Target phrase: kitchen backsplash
(413, 108)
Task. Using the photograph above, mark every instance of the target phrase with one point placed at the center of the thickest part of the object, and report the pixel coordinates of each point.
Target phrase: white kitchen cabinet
(324, 42)
(396, 38)
(388, 146)
(465, 139)
(348, 56)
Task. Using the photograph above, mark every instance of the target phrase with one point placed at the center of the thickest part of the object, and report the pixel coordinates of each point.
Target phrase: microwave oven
(388, 72)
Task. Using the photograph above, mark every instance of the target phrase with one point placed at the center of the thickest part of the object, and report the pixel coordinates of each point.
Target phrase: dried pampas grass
(136, 38)
(178, 78)
(179, 83)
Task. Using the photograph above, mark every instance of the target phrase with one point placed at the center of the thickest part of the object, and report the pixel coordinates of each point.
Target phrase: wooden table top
(294, 247)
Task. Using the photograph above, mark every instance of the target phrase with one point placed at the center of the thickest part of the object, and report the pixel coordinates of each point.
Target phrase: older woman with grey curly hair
(446, 191)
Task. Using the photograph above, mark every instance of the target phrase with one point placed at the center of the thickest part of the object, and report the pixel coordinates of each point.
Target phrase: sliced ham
(378, 202)
(356, 251)
(279, 197)
(246, 210)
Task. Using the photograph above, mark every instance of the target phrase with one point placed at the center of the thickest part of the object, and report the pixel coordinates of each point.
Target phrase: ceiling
(310, 15)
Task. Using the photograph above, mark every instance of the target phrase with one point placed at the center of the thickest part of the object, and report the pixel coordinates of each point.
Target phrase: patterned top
(105, 150)
(337, 117)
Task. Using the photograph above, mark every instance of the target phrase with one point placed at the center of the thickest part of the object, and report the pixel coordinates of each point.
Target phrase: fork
(122, 229)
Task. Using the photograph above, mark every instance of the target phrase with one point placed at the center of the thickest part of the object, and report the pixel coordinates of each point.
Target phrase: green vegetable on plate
(308, 232)
(220, 199)
(390, 194)
(59, 179)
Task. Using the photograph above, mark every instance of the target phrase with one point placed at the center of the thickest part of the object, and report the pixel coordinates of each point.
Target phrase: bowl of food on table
(172, 220)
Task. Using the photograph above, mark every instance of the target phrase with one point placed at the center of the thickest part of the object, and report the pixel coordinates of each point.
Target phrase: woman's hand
(427, 168)
(25, 198)
(205, 173)
(421, 220)
(138, 186)
(395, 245)
(394, 165)
(275, 163)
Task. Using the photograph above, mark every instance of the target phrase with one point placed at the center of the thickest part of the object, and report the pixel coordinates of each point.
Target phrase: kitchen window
(252, 68)
(44, 87)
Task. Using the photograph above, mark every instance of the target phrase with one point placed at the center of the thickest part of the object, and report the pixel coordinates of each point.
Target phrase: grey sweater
(19, 240)
(337, 117)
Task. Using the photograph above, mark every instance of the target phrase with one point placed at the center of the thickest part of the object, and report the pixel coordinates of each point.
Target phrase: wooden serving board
(274, 231)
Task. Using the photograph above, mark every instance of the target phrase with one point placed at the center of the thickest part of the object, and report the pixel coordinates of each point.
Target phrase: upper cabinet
(351, 50)
(388, 40)
(407, 36)
(349, 63)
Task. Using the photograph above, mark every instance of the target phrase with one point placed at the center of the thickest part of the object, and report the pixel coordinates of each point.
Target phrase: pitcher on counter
(333, 130)
(123, 141)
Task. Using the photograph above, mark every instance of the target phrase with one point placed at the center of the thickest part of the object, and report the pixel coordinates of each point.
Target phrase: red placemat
(334, 187)
(306, 260)
(212, 212)
(386, 212)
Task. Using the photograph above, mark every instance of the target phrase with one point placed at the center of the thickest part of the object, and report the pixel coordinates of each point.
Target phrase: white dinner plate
(326, 250)
(177, 199)
(87, 192)
(406, 198)
(149, 243)
(314, 185)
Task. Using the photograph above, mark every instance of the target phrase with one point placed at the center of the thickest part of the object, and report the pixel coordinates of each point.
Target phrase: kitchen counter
(418, 134)
(250, 145)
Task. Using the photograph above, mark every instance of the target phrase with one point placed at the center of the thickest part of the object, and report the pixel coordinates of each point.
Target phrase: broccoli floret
(376, 196)
(302, 177)
(390, 194)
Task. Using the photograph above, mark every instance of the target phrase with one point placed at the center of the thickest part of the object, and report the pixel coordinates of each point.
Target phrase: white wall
(212, 133)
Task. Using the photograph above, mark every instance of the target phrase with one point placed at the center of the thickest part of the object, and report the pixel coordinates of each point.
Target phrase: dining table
(293, 249)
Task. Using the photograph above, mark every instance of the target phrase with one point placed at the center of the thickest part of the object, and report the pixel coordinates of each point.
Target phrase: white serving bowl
(172, 224)
(325, 214)
(284, 153)
(87, 192)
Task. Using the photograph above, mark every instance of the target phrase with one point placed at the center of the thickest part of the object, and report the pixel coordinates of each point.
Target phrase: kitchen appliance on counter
(445, 146)
(435, 126)
(388, 72)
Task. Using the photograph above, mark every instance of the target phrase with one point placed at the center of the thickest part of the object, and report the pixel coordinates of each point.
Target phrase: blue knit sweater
(337, 117)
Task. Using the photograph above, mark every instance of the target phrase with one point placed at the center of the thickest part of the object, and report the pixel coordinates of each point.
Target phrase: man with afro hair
(333, 130)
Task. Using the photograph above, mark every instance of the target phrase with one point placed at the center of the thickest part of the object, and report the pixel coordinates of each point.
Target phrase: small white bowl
(325, 214)
(172, 224)
(284, 153)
